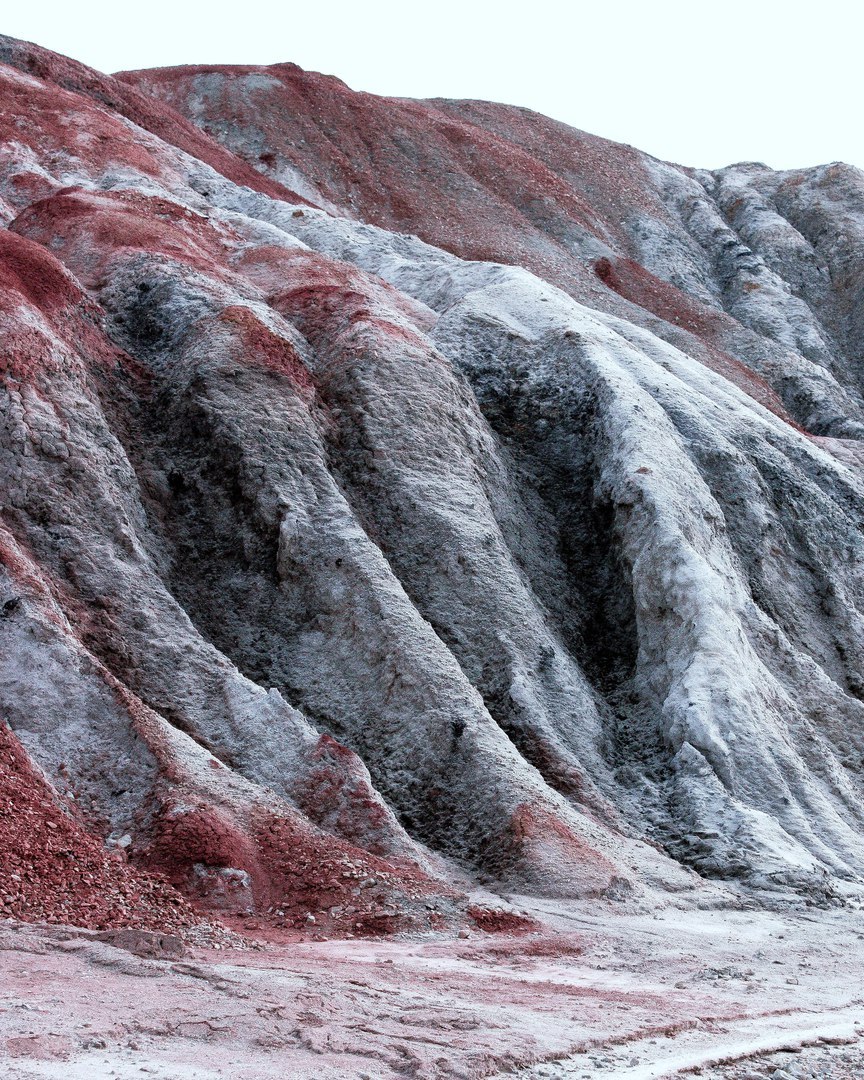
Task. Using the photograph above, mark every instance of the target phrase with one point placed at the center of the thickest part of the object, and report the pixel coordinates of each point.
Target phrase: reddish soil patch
(342, 887)
(30, 270)
(89, 227)
(53, 870)
(337, 797)
(45, 118)
(31, 277)
(323, 296)
(258, 346)
(494, 921)
(404, 165)
(536, 838)
(109, 94)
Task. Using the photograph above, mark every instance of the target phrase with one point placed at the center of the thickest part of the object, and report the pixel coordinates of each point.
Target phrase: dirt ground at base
(600, 991)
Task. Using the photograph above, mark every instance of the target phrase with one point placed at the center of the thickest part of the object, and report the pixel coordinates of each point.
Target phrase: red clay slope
(114, 96)
(402, 165)
(481, 180)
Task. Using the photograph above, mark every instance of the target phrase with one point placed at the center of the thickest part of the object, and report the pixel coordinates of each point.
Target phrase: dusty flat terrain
(595, 993)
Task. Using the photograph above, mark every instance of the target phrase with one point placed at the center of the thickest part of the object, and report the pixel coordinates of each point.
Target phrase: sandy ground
(600, 992)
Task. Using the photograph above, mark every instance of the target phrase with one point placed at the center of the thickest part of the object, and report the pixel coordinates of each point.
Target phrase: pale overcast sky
(704, 84)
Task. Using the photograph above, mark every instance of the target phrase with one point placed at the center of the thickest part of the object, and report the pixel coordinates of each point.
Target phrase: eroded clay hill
(392, 491)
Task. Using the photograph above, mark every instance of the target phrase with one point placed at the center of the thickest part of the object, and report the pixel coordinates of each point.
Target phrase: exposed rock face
(334, 558)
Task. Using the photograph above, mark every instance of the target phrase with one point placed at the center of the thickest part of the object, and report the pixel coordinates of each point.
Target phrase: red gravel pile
(53, 870)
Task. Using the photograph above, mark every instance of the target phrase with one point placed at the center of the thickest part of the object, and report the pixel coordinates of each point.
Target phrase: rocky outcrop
(491, 506)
